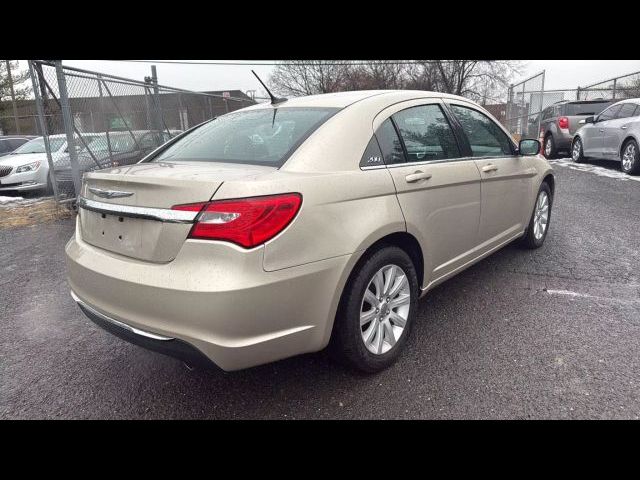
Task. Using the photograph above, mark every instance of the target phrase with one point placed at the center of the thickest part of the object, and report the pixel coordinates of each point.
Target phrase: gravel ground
(552, 333)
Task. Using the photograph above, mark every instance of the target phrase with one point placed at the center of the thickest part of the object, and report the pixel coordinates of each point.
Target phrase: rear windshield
(586, 108)
(264, 137)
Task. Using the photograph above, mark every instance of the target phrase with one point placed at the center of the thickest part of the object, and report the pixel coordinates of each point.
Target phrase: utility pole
(13, 96)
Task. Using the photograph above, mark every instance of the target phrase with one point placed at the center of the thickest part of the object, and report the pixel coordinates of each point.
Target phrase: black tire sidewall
(348, 335)
(530, 240)
(581, 157)
(552, 153)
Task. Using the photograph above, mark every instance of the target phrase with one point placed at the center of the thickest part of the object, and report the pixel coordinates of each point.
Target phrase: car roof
(344, 99)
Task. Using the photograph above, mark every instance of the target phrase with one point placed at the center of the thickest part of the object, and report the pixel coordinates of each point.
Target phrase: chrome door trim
(104, 317)
(158, 214)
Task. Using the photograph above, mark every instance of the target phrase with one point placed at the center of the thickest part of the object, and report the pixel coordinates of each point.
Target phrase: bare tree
(20, 85)
(480, 80)
(376, 75)
(308, 77)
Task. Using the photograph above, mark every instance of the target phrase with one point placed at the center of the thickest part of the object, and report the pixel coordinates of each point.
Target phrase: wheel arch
(401, 239)
(624, 143)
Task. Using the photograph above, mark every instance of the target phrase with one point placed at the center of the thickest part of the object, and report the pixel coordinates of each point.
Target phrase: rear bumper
(213, 300)
(563, 141)
(172, 347)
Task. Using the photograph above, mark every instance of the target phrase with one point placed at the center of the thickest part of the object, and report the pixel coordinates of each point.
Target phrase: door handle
(417, 176)
(601, 130)
(624, 127)
(489, 168)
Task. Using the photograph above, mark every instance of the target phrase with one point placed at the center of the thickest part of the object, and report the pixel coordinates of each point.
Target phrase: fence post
(615, 83)
(43, 130)
(541, 102)
(68, 126)
(107, 126)
(156, 94)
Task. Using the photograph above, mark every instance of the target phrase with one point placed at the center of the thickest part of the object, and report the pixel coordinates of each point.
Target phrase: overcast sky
(559, 73)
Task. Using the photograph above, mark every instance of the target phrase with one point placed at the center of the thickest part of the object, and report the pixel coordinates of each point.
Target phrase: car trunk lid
(127, 210)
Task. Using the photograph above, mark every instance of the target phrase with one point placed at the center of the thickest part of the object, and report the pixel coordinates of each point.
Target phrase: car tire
(630, 158)
(533, 237)
(577, 152)
(549, 147)
(348, 343)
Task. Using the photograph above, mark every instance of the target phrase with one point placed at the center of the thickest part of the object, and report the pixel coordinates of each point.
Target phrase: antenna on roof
(274, 100)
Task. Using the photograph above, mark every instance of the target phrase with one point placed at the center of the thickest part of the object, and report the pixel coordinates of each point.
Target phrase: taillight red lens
(247, 222)
(563, 122)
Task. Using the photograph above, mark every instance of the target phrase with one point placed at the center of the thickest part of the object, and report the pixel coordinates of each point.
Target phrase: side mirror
(590, 119)
(528, 147)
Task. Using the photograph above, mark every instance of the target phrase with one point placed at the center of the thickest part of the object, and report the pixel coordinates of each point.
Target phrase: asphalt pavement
(550, 333)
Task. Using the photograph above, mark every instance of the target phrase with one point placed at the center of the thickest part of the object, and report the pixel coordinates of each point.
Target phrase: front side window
(627, 110)
(426, 133)
(609, 113)
(486, 139)
(266, 136)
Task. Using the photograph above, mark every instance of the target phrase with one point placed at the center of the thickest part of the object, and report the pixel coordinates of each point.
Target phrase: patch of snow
(6, 200)
(595, 169)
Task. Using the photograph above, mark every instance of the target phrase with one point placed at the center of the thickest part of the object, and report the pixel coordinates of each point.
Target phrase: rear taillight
(563, 122)
(247, 222)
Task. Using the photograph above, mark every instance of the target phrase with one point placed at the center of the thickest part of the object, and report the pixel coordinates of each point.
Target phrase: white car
(27, 168)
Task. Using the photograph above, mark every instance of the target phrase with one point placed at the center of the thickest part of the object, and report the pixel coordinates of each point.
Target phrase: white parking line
(600, 171)
(569, 293)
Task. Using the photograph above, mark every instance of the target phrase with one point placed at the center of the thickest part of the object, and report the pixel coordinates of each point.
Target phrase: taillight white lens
(246, 221)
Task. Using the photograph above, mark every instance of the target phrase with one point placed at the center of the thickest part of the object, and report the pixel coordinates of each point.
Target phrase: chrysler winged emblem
(109, 193)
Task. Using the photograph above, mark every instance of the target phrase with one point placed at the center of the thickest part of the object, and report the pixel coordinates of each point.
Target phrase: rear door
(506, 177)
(615, 131)
(438, 189)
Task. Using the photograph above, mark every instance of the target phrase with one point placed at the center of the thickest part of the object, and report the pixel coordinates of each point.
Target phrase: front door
(506, 177)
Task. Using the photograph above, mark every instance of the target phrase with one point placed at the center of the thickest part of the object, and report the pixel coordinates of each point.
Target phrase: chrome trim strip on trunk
(137, 331)
(148, 213)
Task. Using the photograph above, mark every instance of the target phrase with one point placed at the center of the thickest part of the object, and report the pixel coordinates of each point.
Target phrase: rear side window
(486, 139)
(263, 137)
(372, 156)
(426, 134)
(627, 110)
(609, 113)
(390, 143)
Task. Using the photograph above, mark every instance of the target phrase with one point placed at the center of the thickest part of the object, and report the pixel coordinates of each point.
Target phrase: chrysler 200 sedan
(319, 221)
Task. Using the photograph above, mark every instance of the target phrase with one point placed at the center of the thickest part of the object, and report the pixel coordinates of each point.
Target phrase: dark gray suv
(561, 121)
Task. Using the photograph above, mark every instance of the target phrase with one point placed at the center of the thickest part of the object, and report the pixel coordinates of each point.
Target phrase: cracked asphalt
(551, 333)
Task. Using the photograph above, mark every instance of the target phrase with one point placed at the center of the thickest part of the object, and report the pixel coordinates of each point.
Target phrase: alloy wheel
(385, 309)
(628, 157)
(541, 215)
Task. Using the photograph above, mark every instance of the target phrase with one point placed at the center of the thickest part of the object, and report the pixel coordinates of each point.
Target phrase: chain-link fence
(527, 99)
(92, 120)
(619, 88)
